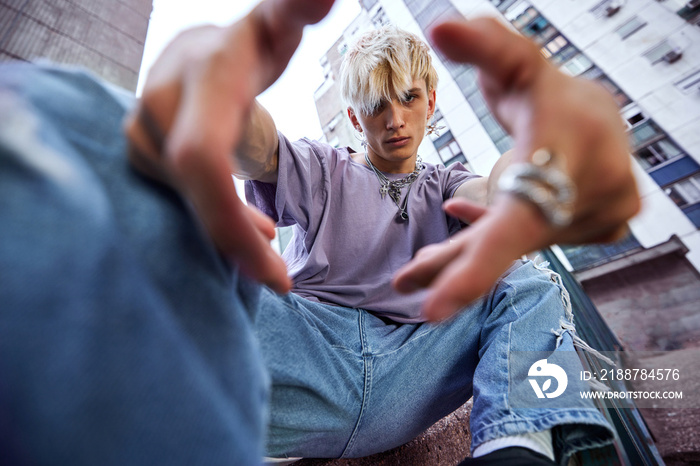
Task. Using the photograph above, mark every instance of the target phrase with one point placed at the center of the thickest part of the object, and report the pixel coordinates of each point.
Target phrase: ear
(431, 103)
(353, 119)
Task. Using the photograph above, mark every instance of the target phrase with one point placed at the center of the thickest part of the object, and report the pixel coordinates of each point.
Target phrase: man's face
(395, 128)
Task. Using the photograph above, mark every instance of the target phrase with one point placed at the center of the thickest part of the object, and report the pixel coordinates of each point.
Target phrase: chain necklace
(393, 188)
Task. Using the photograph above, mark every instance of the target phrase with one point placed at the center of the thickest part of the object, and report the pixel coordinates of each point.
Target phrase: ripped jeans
(346, 383)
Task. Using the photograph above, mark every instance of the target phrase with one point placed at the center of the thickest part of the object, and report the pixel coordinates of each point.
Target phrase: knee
(533, 299)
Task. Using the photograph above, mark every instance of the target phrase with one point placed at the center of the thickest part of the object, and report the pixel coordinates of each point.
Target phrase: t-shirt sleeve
(302, 183)
(455, 175)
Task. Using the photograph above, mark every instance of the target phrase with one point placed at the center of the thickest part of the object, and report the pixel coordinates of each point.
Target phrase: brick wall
(652, 306)
(106, 36)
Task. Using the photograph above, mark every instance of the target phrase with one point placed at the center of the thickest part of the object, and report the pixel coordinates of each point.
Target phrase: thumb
(508, 59)
(463, 209)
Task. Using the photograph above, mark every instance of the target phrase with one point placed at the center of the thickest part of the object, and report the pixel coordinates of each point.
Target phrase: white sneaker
(279, 461)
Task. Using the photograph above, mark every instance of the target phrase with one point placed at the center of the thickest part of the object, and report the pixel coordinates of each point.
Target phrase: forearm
(257, 153)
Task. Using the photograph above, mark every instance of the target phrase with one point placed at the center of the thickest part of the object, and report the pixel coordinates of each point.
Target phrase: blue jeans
(346, 383)
(126, 339)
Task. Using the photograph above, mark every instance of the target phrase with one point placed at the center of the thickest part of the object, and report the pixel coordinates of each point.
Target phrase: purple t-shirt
(347, 244)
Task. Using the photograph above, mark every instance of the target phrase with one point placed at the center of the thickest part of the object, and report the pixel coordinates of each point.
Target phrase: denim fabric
(347, 383)
(124, 338)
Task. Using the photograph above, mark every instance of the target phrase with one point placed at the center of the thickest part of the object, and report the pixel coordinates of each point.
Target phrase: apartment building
(105, 36)
(647, 54)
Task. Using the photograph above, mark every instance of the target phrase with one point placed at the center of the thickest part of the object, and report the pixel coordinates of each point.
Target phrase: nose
(395, 115)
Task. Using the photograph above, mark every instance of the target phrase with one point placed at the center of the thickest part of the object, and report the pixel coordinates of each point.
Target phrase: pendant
(383, 190)
(402, 216)
(395, 194)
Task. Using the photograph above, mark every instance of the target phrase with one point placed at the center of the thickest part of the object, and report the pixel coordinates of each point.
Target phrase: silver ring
(542, 184)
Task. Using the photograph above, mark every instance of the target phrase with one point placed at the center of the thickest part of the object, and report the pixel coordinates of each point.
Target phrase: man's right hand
(191, 116)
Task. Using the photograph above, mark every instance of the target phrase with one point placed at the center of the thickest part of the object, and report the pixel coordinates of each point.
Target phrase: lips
(398, 141)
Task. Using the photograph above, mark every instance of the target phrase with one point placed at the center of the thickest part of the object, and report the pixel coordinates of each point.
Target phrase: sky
(290, 99)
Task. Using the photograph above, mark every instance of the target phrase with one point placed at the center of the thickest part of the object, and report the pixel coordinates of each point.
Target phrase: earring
(359, 135)
(433, 128)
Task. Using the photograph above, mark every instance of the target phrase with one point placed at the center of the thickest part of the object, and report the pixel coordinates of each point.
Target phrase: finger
(262, 222)
(424, 267)
(464, 209)
(145, 145)
(211, 191)
(198, 151)
(280, 24)
(285, 15)
(510, 229)
(501, 53)
(465, 280)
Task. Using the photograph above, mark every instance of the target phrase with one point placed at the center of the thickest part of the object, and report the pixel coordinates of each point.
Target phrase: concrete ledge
(446, 443)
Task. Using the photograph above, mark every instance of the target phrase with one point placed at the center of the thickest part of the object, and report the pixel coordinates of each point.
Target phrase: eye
(408, 98)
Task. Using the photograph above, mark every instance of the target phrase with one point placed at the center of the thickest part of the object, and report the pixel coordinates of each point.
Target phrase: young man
(127, 338)
(355, 369)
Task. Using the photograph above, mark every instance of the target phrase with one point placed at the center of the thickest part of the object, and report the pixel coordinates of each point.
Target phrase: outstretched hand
(191, 117)
(541, 108)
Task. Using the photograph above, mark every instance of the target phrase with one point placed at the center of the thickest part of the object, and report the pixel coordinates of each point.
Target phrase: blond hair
(382, 62)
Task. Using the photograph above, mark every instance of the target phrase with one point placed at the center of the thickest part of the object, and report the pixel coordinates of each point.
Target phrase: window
(657, 153)
(645, 133)
(690, 83)
(433, 12)
(467, 81)
(379, 18)
(494, 130)
(620, 97)
(478, 104)
(504, 144)
(417, 5)
(558, 50)
(544, 35)
(523, 17)
(449, 151)
(691, 12)
(633, 115)
(564, 54)
(505, 5)
(629, 27)
(554, 46)
(578, 64)
(534, 27)
(685, 192)
(606, 8)
(458, 158)
(663, 51)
